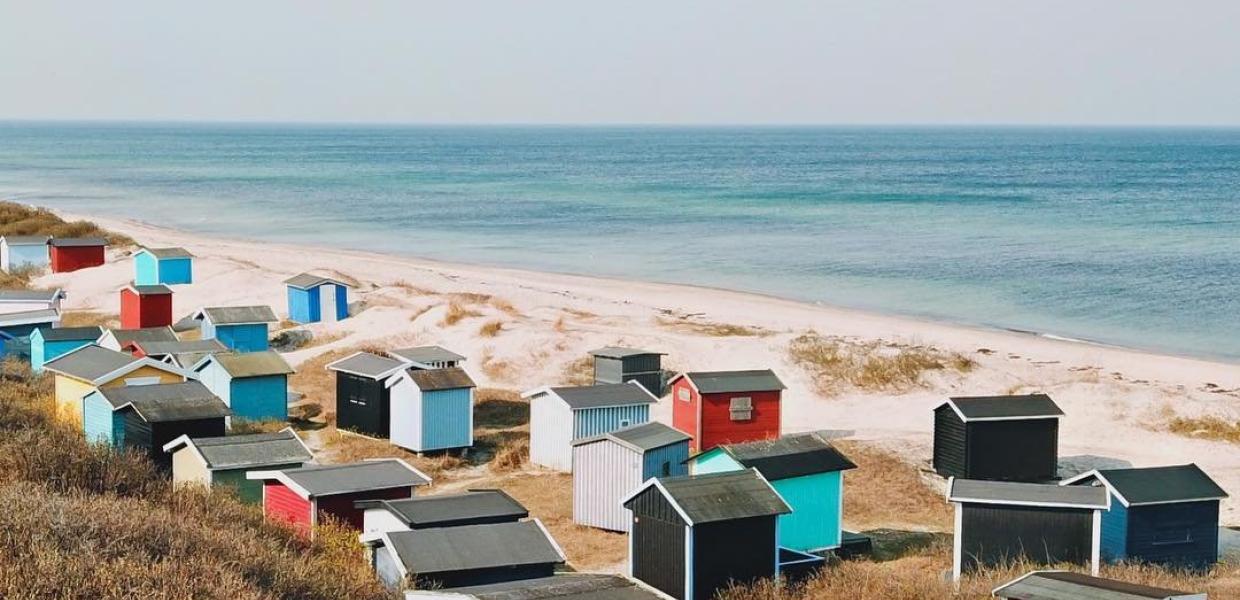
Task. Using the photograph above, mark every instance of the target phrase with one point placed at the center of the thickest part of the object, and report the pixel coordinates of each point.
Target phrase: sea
(1122, 236)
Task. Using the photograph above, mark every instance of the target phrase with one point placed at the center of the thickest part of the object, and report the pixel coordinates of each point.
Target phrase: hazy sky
(586, 61)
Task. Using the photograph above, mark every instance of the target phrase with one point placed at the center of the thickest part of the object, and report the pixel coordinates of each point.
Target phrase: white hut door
(327, 303)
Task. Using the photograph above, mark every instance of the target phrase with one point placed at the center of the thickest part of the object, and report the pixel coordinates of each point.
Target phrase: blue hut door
(327, 302)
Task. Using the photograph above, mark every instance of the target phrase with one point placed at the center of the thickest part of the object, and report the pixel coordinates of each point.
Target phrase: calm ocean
(1124, 236)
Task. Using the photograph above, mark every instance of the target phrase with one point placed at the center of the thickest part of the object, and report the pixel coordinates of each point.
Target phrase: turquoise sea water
(1124, 236)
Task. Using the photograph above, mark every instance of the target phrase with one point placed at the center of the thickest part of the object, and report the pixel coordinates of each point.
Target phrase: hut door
(327, 303)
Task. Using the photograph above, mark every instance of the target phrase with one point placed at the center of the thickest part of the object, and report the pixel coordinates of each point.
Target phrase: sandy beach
(1118, 401)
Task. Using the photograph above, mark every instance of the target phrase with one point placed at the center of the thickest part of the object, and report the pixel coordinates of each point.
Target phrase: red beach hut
(146, 306)
(71, 254)
(726, 407)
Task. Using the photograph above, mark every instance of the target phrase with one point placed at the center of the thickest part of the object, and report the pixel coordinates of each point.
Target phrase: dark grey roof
(440, 379)
(30, 295)
(1159, 485)
(160, 348)
(86, 241)
(253, 364)
(790, 456)
(426, 552)
(448, 509)
(157, 289)
(641, 438)
(427, 354)
(168, 401)
(1025, 494)
(723, 382)
(620, 352)
(1031, 406)
(169, 252)
(26, 240)
(724, 496)
(239, 315)
(28, 317)
(322, 480)
(598, 396)
(564, 586)
(1063, 585)
(67, 334)
(145, 334)
(90, 362)
(367, 365)
(252, 450)
(307, 280)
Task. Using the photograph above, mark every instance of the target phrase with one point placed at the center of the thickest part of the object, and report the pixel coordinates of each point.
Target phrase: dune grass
(491, 329)
(1206, 428)
(19, 219)
(836, 363)
(712, 328)
(456, 313)
(579, 371)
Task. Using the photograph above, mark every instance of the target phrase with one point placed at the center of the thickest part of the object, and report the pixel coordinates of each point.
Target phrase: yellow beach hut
(89, 368)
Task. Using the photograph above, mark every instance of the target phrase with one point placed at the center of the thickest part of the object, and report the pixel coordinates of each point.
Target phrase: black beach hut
(1004, 438)
(613, 364)
(363, 402)
(151, 416)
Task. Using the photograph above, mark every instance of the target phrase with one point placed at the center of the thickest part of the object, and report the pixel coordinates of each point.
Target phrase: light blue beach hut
(163, 266)
(313, 298)
(431, 409)
(48, 343)
(253, 384)
(18, 251)
(240, 328)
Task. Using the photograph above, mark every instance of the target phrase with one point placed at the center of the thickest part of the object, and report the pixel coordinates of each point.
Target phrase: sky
(1101, 62)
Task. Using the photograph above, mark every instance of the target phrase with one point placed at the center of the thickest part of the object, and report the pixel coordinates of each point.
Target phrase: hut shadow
(501, 414)
(894, 544)
(1070, 466)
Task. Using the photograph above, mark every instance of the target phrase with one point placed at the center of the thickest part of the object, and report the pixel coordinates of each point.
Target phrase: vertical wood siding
(1115, 532)
(949, 443)
(340, 506)
(217, 380)
(176, 271)
(146, 269)
(594, 421)
(406, 415)
(187, 469)
(162, 433)
(673, 457)
(1150, 528)
(740, 551)
(814, 523)
(249, 491)
(258, 398)
(447, 419)
(342, 301)
(66, 259)
(993, 535)
(604, 472)
(69, 394)
(243, 338)
(685, 412)
(99, 423)
(719, 428)
(551, 433)
(283, 505)
(362, 405)
(42, 352)
(300, 306)
(145, 311)
(1025, 450)
(658, 543)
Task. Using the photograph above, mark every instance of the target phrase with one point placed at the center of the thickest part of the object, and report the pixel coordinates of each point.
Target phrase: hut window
(742, 408)
(624, 422)
(1173, 534)
(142, 381)
(683, 394)
(667, 469)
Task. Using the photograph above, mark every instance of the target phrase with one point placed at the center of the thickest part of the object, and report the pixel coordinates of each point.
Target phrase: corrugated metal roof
(427, 511)
(86, 241)
(790, 456)
(724, 496)
(168, 401)
(252, 450)
(598, 396)
(366, 365)
(309, 280)
(1026, 494)
(67, 334)
(1158, 485)
(564, 586)
(26, 240)
(253, 364)
(169, 252)
(239, 315)
(429, 380)
(1030, 406)
(643, 437)
(723, 382)
(90, 362)
(622, 352)
(1063, 585)
(125, 337)
(321, 480)
(157, 289)
(31, 295)
(427, 354)
(426, 552)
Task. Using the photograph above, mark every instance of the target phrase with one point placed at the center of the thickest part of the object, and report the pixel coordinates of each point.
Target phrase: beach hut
(1162, 515)
(90, 367)
(122, 339)
(71, 254)
(1065, 585)
(146, 306)
(448, 557)
(614, 364)
(431, 410)
(23, 251)
(19, 301)
(806, 471)
(305, 496)
(148, 417)
(253, 384)
(607, 467)
(313, 298)
(163, 266)
(363, 400)
(692, 536)
(49, 343)
(428, 357)
(1006, 438)
(16, 328)
(181, 353)
(998, 522)
(240, 328)
(721, 407)
(560, 415)
(473, 507)
(224, 460)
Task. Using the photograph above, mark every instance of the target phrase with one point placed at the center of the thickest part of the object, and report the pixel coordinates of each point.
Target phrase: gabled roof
(167, 252)
(640, 438)
(26, 240)
(427, 552)
(726, 382)
(70, 334)
(430, 380)
(306, 281)
(246, 451)
(48, 296)
(561, 586)
(236, 315)
(326, 480)
(449, 509)
(597, 396)
(249, 364)
(157, 289)
(1063, 585)
(621, 352)
(167, 401)
(789, 456)
(31, 317)
(1155, 485)
(85, 241)
(973, 491)
(368, 365)
(717, 496)
(426, 355)
(97, 366)
(160, 348)
(124, 337)
(1004, 408)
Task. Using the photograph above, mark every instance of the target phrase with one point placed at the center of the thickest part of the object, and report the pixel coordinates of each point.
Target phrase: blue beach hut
(163, 266)
(806, 471)
(431, 409)
(240, 328)
(561, 415)
(47, 343)
(313, 298)
(253, 384)
(16, 328)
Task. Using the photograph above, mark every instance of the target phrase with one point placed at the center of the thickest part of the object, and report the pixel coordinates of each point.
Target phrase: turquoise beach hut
(240, 328)
(163, 266)
(253, 384)
(48, 343)
(313, 299)
(806, 471)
